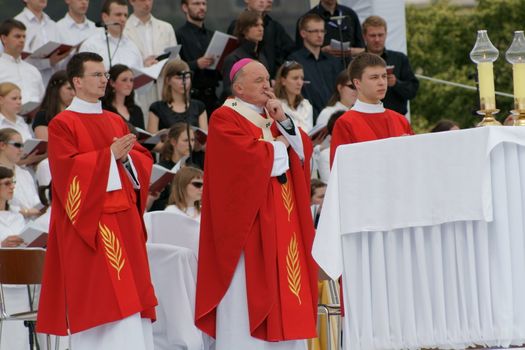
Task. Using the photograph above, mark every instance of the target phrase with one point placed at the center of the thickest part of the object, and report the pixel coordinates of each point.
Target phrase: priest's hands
(122, 145)
(274, 107)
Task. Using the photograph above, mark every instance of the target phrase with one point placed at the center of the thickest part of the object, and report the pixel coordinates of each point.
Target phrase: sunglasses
(197, 184)
(15, 144)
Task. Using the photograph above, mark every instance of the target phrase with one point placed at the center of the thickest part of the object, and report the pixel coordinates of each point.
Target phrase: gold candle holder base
(518, 116)
(488, 117)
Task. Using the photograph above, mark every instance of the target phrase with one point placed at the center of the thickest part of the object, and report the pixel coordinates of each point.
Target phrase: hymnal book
(48, 49)
(143, 76)
(390, 69)
(148, 139)
(34, 146)
(201, 135)
(29, 107)
(34, 236)
(160, 178)
(221, 45)
(318, 131)
(336, 45)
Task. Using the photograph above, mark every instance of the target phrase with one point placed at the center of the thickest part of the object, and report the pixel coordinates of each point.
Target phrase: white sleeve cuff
(280, 158)
(296, 142)
(114, 178)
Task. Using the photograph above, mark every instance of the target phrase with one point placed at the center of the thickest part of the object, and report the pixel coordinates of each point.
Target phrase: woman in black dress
(120, 97)
(57, 97)
(170, 110)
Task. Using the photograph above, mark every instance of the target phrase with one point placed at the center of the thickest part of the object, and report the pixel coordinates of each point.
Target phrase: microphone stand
(339, 27)
(186, 107)
(107, 44)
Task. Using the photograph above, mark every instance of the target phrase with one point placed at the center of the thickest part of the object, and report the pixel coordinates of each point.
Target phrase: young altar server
(96, 281)
(368, 120)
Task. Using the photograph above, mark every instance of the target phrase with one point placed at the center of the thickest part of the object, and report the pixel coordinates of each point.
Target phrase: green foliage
(440, 38)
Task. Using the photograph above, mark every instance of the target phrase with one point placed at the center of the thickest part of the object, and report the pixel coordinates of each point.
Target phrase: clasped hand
(122, 145)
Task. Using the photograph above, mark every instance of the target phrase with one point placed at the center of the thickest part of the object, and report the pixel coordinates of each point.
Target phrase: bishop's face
(253, 85)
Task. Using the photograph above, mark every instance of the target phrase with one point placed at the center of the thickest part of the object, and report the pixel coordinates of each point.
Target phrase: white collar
(10, 58)
(363, 107)
(32, 18)
(133, 19)
(3, 118)
(338, 105)
(72, 23)
(250, 106)
(80, 106)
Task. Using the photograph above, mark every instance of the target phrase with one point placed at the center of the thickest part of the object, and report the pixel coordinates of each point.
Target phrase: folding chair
(22, 266)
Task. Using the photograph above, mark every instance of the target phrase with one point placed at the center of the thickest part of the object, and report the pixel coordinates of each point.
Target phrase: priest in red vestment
(257, 281)
(368, 120)
(96, 281)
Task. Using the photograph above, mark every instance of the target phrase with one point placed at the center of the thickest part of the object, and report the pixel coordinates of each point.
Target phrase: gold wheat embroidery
(294, 268)
(73, 200)
(286, 193)
(112, 247)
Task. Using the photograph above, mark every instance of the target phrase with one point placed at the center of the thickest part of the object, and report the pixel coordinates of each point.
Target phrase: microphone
(106, 25)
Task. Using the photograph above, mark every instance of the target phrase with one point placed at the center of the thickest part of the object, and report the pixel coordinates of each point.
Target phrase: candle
(487, 96)
(518, 70)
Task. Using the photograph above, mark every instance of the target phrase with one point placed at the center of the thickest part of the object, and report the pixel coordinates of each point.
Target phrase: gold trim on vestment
(286, 193)
(293, 267)
(73, 200)
(112, 247)
(253, 117)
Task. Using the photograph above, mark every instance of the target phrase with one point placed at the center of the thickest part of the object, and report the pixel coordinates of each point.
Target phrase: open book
(34, 235)
(29, 107)
(318, 131)
(150, 140)
(336, 45)
(201, 135)
(34, 146)
(162, 177)
(221, 45)
(48, 49)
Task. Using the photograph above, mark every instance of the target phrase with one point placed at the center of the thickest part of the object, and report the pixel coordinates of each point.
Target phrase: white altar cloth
(428, 232)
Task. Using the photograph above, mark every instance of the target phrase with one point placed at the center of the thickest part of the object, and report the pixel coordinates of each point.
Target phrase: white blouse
(303, 115)
(190, 212)
(26, 194)
(11, 224)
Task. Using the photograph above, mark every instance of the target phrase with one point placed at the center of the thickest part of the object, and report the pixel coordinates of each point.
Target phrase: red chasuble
(247, 211)
(354, 126)
(96, 269)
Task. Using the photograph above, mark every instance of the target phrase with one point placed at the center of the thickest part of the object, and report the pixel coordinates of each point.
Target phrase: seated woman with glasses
(289, 81)
(249, 29)
(186, 193)
(25, 200)
(120, 97)
(171, 109)
(11, 223)
(58, 97)
(342, 100)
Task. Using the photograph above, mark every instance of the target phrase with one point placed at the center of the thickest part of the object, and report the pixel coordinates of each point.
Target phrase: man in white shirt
(14, 69)
(75, 27)
(152, 36)
(121, 49)
(40, 30)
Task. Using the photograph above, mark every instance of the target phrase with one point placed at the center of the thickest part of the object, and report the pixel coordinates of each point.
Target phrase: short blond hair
(374, 21)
